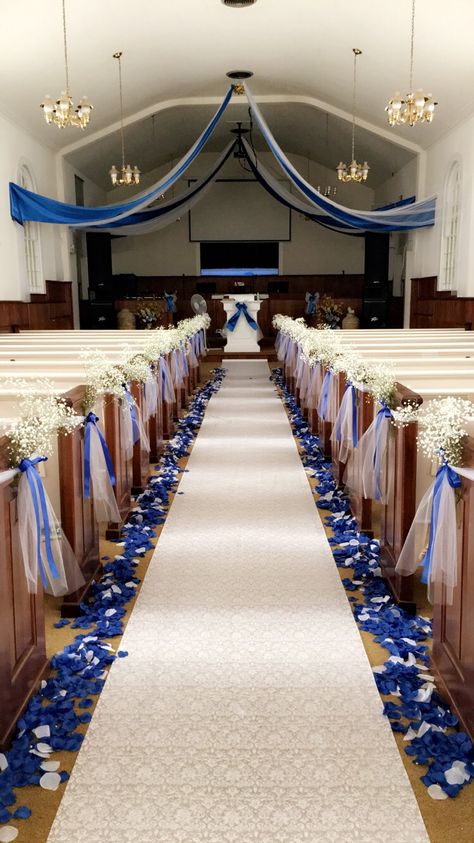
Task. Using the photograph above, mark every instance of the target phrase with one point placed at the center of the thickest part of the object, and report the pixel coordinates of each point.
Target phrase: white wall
(400, 185)
(458, 144)
(16, 148)
(312, 249)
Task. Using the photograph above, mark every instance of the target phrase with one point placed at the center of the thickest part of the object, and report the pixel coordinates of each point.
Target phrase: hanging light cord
(65, 48)
(412, 51)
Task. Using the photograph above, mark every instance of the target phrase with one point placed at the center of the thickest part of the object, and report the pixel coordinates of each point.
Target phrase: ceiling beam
(320, 105)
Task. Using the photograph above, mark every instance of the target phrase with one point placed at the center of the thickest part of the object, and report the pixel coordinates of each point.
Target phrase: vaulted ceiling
(178, 51)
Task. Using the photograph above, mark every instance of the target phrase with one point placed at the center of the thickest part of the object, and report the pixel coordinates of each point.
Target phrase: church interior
(236, 422)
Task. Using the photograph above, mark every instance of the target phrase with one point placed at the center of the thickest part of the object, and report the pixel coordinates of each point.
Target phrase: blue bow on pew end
(92, 423)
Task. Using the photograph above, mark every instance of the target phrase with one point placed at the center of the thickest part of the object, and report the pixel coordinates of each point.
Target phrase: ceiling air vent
(238, 4)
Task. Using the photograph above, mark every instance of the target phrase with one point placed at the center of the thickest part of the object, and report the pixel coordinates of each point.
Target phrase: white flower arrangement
(42, 414)
(405, 415)
(135, 368)
(442, 428)
(102, 377)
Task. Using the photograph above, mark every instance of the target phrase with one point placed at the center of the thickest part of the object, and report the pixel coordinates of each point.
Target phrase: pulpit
(244, 336)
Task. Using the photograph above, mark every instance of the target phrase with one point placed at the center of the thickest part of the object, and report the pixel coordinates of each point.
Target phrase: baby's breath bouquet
(41, 415)
(442, 428)
(135, 368)
(102, 377)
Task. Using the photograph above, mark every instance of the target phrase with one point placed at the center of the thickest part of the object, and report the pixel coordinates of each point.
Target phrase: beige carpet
(246, 710)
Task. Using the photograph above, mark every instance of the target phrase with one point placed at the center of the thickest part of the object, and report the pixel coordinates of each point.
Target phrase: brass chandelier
(354, 171)
(62, 111)
(416, 107)
(127, 175)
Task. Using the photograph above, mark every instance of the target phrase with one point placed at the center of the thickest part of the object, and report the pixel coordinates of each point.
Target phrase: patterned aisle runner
(246, 711)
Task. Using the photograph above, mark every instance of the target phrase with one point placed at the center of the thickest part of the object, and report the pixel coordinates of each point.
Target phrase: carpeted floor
(246, 710)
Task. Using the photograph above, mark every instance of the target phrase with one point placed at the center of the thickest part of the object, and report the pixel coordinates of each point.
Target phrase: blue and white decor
(420, 713)
(55, 714)
(241, 309)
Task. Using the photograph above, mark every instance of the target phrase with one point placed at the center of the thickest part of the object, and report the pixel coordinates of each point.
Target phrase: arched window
(449, 242)
(32, 240)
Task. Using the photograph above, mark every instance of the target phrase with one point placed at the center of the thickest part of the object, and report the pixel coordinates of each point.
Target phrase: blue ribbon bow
(92, 421)
(355, 435)
(241, 308)
(169, 301)
(311, 307)
(384, 412)
(133, 416)
(41, 511)
(454, 481)
(325, 394)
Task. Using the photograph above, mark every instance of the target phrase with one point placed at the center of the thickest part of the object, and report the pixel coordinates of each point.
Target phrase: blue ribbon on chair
(454, 480)
(241, 308)
(41, 510)
(355, 435)
(325, 394)
(311, 307)
(384, 412)
(133, 416)
(169, 302)
(92, 422)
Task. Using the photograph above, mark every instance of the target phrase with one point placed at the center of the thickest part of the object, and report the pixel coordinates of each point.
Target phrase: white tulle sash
(151, 397)
(45, 550)
(345, 427)
(176, 369)
(99, 477)
(432, 538)
(167, 389)
(327, 407)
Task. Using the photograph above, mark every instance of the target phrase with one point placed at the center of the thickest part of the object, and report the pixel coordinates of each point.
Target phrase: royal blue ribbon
(169, 301)
(241, 308)
(133, 416)
(163, 379)
(384, 412)
(40, 508)
(185, 362)
(454, 481)
(355, 435)
(325, 394)
(92, 421)
(311, 307)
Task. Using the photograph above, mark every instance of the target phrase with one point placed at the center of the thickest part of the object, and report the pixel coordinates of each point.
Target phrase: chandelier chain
(412, 50)
(66, 62)
(119, 57)
(354, 104)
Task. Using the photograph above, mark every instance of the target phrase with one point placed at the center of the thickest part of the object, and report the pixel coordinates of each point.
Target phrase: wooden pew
(23, 660)
(453, 639)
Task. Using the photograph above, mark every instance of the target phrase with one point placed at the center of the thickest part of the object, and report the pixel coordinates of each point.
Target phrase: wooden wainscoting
(432, 308)
(51, 310)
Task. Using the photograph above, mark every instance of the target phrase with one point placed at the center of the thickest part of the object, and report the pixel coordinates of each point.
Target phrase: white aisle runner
(246, 711)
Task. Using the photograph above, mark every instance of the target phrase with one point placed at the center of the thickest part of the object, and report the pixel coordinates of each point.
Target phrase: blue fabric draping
(133, 415)
(413, 215)
(241, 308)
(43, 527)
(26, 205)
(355, 434)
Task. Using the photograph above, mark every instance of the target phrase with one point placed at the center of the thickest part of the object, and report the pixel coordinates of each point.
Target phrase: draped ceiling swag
(132, 216)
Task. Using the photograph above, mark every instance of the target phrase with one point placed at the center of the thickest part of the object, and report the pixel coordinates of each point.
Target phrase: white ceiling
(181, 49)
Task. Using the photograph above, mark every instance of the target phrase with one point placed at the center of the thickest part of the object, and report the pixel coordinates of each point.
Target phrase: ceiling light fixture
(62, 112)
(126, 175)
(354, 171)
(416, 107)
(238, 4)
